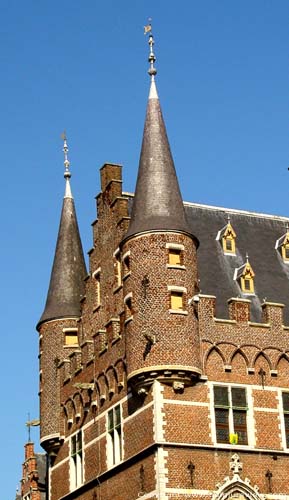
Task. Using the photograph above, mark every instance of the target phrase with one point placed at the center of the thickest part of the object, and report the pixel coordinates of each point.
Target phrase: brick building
(164, 368)
(33, 481)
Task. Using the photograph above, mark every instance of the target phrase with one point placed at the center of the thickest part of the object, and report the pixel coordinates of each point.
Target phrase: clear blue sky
(223, 84)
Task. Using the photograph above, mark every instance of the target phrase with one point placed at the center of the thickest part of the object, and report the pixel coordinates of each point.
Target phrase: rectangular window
(229, 245)
(230, 414)
(70, 337)
(176, 300)
(76, 460)
(285, 399)
(174, 257)
(114, 438)
(117, 269)
(96, 276)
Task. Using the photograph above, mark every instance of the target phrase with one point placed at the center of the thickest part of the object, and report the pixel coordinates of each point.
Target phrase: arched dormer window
(282, 245)
(227, 238)
(245, 277)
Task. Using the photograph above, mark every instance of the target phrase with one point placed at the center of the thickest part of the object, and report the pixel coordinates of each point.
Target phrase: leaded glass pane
(285, 397)
(239, 397)
(110, 420)
(221, 396)
(117, 416)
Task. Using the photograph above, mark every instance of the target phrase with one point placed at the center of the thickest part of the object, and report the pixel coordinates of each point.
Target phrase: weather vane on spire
(152, 59)
(65, 150)
(67, 173)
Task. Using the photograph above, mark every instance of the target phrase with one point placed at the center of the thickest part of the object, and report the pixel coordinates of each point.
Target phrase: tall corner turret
(160, 250)
(59, 320)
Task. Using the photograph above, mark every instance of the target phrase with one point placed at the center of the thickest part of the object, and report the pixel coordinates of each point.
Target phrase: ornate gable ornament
(227, 237)
(236, 488)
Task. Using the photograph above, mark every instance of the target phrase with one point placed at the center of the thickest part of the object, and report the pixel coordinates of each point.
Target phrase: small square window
(176, 300)
(175, 257)
(70, 338)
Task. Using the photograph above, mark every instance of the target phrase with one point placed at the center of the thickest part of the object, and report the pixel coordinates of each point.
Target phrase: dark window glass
(222, 425)
(229, 245)
(221, 396)
(239, 397)
(247, 284)
(285, 397)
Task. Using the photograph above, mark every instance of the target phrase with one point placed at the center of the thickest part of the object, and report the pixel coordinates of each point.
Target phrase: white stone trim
(175, 246)
(158, 424)
(125, 255)
(281, 419)
(188, 491)
(178, 311)
(128, 296)
(72, 329)
(97, 272)
(161, 473)
(175, 288)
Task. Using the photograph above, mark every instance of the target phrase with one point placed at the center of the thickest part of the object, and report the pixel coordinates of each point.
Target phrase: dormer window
(282, 245)
(227, 238)
(245, 277)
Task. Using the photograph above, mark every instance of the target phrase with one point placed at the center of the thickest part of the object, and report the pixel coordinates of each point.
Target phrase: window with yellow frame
(229, 240)
(176, 300)
(285, 249)
(247, 279)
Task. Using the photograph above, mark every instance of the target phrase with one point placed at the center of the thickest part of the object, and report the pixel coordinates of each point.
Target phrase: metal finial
(65, 150)
(152, 58)
(247, 257)
(228, 219)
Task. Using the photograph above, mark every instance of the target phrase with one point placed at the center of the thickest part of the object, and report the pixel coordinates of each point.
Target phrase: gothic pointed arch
(239, 361)
(214, 360)
(236, 488)
(262, 361)
(283, 365)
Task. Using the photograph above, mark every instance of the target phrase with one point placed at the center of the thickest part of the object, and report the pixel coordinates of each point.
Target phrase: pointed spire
(157, 203)
(69, 270)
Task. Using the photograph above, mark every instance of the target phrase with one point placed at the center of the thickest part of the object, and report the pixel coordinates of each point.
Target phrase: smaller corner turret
(61, 313)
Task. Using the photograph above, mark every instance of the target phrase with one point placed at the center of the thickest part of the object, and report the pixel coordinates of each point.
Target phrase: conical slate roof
(69, 270)
(158, 202)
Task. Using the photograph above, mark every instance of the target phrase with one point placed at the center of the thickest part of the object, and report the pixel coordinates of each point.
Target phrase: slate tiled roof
(158, 202)
(256, 234)
(69, 269)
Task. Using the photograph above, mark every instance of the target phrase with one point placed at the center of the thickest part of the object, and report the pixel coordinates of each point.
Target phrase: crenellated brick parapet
(240, 349)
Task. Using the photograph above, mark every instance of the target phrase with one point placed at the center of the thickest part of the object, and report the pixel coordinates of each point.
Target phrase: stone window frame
(285, 417)
(76, 460)
(180, 290)
(117, 269)
(96, 277)
(114, 431)
(231, 409)
(73, 333)
(175, 249)
(128, 307)
(126, 264)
